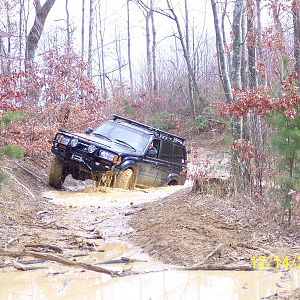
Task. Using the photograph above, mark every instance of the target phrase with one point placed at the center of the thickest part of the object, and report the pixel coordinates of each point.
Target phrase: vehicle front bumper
(83, 161)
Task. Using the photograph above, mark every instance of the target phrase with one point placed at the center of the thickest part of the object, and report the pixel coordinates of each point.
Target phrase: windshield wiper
(125, 143)
(101, 135)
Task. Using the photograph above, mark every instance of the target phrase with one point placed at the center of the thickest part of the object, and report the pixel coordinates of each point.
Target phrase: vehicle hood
(110, 145)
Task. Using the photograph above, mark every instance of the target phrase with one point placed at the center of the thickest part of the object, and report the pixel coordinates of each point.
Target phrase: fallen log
(122, 260)
(22, 267)
(48, 247)
(58, 259)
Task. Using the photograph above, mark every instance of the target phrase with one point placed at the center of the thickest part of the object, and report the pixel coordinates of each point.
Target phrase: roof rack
(157, 132)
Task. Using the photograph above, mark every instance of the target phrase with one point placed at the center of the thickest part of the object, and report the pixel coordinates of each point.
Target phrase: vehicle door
(148, 168)
(165, 163)
(179, 160)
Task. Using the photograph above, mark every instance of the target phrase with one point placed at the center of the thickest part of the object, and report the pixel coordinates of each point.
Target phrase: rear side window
(165, 151)
(179, 154)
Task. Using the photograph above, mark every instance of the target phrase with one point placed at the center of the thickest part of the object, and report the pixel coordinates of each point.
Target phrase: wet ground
(59, 282)
(162, 229)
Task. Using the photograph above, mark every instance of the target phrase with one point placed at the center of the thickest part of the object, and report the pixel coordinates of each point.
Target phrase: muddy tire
(125, 180)
(56, 173)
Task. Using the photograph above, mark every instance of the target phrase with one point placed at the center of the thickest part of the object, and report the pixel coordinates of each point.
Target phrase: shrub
(13, 151)
(201, 122)
(12, 116)
(3, 178)
(162, 120)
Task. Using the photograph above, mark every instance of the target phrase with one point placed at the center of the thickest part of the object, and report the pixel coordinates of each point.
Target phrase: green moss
(12, 116)
(13, 151)
(161, 120)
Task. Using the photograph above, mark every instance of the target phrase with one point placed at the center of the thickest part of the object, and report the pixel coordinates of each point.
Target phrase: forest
(223, 74)
(242, 70)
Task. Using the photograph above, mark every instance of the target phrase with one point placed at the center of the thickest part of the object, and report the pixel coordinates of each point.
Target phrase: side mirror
(152, 153)
(89, 130)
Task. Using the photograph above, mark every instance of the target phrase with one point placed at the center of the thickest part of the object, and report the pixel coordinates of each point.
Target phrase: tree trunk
(154, 72)
(90, 62)
(224, 74)
(119, 56)
(68, 24)
(296, 23)
(82, 28)
(37, 28)
(251, 46)
(187, 59)
(148, 53)
(237, 43)
(129, 46)
(244, 60)
(187, 44)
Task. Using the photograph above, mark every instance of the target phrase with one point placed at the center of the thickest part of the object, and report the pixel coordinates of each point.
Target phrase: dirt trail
(172, 225)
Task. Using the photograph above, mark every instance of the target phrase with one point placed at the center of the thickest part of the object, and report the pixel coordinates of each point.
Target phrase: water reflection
(73, 284)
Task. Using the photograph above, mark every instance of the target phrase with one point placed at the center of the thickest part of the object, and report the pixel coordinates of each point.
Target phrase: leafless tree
(129, 45)
(82, 28)
(296, 23)
(68, 23)
(90, 65)
(41, 13)
(237, 43)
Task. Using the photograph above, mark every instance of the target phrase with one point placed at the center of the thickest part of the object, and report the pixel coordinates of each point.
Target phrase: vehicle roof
(132, 126)
(149, 129)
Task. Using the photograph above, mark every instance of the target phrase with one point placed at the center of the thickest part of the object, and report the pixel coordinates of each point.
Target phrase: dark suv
(119, 153)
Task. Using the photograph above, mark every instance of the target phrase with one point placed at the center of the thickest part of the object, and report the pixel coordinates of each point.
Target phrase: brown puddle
(109, 197)
(74, 284)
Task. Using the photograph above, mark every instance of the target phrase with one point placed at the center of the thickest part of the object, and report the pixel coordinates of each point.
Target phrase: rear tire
(56, 173)
(125, 180)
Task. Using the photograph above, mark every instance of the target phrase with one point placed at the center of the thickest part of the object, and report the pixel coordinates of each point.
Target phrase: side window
(165, 152)
(156, 144)
(179, 154)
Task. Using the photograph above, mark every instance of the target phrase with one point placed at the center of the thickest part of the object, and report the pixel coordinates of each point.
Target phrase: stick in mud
(58, 259)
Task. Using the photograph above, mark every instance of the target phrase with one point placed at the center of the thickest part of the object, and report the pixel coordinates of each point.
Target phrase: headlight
(107, 155)
(64, 140)
(74, 143)
(91, 149)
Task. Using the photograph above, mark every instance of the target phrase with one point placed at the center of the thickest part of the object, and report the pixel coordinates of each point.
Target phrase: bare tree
(155, 82)
(119, 56)
(191, 73)
(237, 43)
(41, 13)
(296, 23)
(68, 23)
(82, 28)
(129, 46)
(223, 69)
(90, 65)
(251, 44)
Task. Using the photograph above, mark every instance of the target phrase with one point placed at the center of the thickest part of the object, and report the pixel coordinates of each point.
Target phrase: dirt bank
(186, 227)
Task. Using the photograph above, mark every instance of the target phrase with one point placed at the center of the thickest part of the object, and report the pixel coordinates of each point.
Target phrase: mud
(167, 227)
(58, 282)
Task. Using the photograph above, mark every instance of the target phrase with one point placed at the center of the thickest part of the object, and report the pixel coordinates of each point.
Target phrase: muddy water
(59, 282)
(108, 197)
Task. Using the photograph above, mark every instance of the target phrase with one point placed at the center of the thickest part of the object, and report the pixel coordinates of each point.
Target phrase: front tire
(56, 173)
(125, 180)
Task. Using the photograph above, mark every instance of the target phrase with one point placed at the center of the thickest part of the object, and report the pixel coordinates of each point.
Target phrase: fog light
(91, 149)
(74, 143)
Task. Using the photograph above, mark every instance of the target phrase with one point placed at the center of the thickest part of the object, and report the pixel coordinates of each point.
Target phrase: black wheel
(125, 180)
(56, 173)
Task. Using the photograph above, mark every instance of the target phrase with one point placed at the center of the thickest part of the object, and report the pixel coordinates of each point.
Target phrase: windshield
(123, 135)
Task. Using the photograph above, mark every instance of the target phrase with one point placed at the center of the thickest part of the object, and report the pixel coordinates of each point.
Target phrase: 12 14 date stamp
(262, 262)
